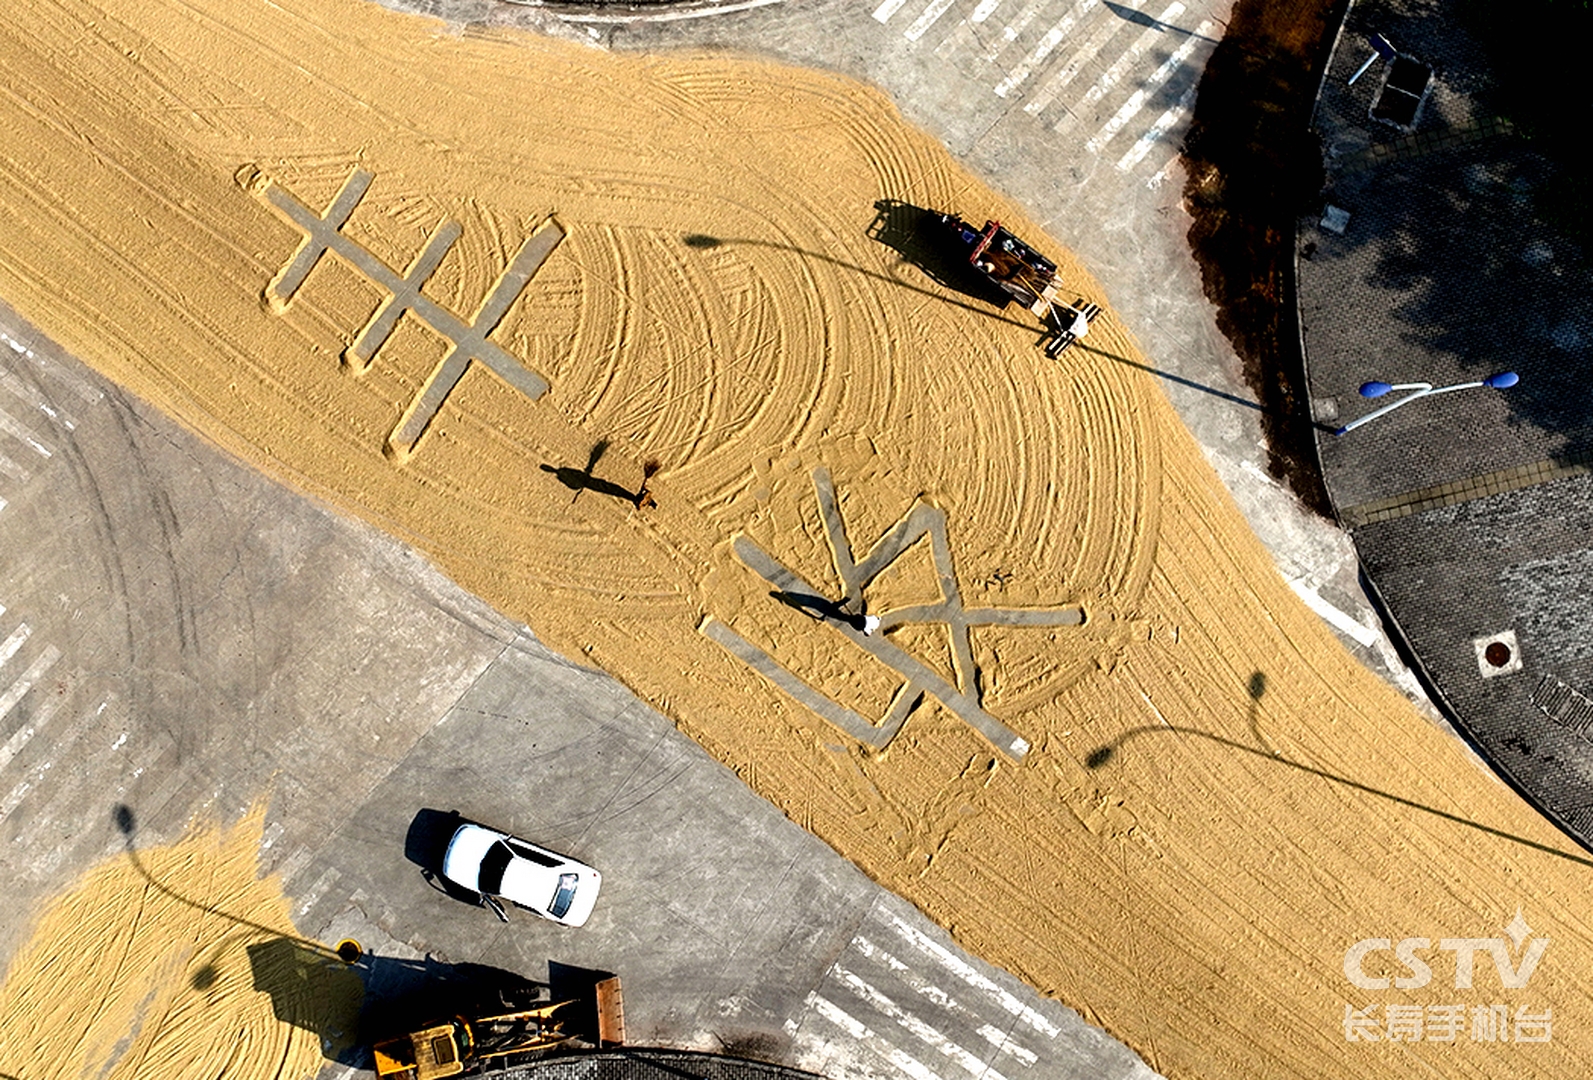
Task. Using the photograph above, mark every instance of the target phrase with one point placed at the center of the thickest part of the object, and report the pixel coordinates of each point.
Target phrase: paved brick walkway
(1472, 512)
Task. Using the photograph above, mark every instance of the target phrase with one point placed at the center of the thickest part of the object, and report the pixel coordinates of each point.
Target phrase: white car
(495, 864)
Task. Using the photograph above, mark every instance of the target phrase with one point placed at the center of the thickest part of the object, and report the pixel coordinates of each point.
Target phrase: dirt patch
(1254, 166)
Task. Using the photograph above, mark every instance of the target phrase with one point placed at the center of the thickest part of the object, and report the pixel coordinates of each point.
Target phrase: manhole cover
(1497, 654)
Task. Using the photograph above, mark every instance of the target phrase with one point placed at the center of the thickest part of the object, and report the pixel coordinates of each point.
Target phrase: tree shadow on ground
(1453, 244)
(1253, 165)
(1457, 264)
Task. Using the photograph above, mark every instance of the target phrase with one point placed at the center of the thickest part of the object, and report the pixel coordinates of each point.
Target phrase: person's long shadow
(579, 480)
(1103, 755)
(819, 607)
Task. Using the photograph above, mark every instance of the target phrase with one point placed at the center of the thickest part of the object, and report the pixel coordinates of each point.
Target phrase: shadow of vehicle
(916, 234)
(566, 982)
(349, 1007)
(425, 845)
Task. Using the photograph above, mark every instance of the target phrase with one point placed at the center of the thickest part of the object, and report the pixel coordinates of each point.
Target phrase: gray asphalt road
(183, 637)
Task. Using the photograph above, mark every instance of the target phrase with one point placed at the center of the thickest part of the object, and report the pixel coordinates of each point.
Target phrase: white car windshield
(564, 896)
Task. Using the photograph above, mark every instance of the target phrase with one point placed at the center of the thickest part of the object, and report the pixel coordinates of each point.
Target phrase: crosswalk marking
(970, 975)
(934, 994)
(9, 647)
(318, 890)
(964, 32)
(290, 866)
(1053, 44)
(31, 396)
(12, 426)
(1106, 28)
(890, 7)
(1052, 38)
(920, 1030)
(929, 18)
(60, 374)
(1163, 124)
(13, 470)
(861, 1032)
(36, 671)
(68, 737)
(1010, 32)
(1137, 99)
(1136, 48)
(1003, 1042)
(20, 738)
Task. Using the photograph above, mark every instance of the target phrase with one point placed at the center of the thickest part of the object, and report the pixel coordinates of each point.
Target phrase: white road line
(1105, 30)
(1129, 56)
(92, 767)
(921, 1031)
(24, 683)
(72, 382)
(1137, 99)
(1002, 1042)
(1343, 620)
(884, 12)
(12, 800)
(861, 1033)
(9, 647)
(962, 34)
(20, 738)
(670, 16)
(67, 738)
(1163, 124)
(13, 470)
(32, 396)
(1159, 177)
(929, 18)
(12, 426)
(1010, 32)
(970, 975)
(1052, 38)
